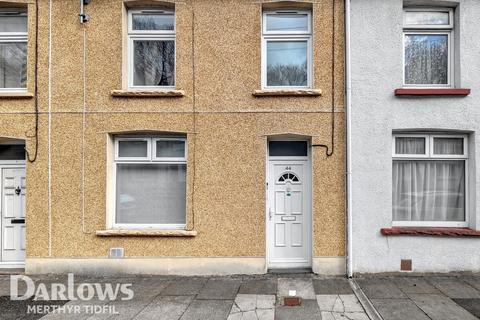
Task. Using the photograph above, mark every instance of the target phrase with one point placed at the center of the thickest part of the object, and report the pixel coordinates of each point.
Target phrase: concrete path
(200, 298)
(424, 298)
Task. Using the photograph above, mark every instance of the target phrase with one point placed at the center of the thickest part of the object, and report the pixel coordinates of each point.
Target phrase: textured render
(232, 128)
(376, 35)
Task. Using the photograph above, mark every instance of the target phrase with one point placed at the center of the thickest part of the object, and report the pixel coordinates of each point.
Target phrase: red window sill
(432, 92)
(424, 231)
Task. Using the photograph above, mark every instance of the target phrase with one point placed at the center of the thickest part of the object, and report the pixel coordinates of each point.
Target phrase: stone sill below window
(287, 92)
(432, 92)
(148, 93)
(16, 95)
(430, 231)
(145, 233)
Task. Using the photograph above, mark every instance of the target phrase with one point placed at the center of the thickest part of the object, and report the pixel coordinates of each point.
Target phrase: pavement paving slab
(303, 287)
(219, 289)
(399, 309)
(183, 287)
(454, 287)
(471, 305)
(414, 285)
(440, 307)
(332, 286)
(259, 286)
(165, 308)
(380, 288)
(208, 309)
(473, 281)
(308, 310)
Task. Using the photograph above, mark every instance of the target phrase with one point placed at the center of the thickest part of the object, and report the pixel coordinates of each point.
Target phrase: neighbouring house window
(286, 49)
(150, 182)
(429, 180)
(428, 51)
(151, 38)
(13, 50)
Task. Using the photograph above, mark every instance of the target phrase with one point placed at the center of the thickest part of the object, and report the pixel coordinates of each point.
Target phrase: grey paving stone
(183, 287)
(219, 289)
(208, 309)
(380, 288)
(474, 281)
(124, 310)
(455, 288)
(303, 286)
(414, 285)
(440, 307)
(165, 308)
(471, 305)
(308, 310)
(398, 309)
(264, 286)
(332, 286)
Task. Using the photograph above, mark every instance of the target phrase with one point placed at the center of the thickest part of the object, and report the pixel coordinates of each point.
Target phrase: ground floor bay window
(150, 182)
(429, 180)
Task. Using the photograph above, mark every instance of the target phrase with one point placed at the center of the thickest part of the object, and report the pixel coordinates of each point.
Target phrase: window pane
(133, 148)
(13, 64)
(287, 148)
(153, 21)
(427, 17)
(429, 190)
(448, 145)
(409, 145)
(13, 22)
(154, 63)
(12, 152)
(287, 63)
(170, 148)
(287, 22)
(151, 193)
(426, 59)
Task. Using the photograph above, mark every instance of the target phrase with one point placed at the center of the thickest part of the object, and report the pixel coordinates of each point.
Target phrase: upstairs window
(151, 57)
(13, 50)
(286, 49)
(428, 52)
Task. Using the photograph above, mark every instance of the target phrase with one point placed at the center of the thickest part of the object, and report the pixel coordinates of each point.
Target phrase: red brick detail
(432, 92)
(422, 231)
(291, 301)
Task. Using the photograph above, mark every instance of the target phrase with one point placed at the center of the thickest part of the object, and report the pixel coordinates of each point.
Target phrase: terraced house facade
(172, 137)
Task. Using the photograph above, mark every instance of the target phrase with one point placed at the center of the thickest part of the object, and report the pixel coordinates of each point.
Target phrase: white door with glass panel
(288, 213)
(13, 214)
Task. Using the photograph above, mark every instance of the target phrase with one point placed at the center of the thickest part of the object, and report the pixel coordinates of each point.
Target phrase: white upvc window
(287, 49)
(150, 182)
(151, 49)
(429, 186)
(428, 47)
(13, 49)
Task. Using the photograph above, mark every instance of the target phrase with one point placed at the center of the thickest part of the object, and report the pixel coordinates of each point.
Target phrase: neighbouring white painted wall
(376, 70)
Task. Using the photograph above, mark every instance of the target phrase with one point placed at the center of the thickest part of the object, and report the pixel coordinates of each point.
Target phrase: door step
(290, 270)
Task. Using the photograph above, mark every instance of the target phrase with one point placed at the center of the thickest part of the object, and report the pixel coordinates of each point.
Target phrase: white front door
(13, 214)
(288, 214)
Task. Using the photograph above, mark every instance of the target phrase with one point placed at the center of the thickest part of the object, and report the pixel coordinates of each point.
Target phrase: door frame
(10, 164)
(308, 192)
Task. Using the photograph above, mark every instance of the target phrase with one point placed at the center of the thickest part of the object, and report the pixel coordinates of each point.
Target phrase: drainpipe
(348, 95)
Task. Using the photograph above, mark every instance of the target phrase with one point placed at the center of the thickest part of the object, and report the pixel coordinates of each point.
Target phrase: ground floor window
(150, 182)
(429, 180)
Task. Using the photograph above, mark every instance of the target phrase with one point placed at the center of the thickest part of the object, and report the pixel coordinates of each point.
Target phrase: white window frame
(430, 156)
(8, 37)
(152, 159)
(447, 30)
(154, 35)
(284, 36)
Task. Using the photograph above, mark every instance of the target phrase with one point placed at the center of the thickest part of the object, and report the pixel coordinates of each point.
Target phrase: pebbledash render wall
(218, 66)
(376, 71)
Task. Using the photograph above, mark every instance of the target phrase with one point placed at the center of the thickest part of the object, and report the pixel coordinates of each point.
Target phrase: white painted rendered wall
(376, 70)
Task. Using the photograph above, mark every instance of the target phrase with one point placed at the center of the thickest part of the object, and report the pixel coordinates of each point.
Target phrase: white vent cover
(116, 253)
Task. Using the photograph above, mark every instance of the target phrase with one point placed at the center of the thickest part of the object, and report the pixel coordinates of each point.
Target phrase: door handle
(270, 214)
(18, 190)
(17, 221)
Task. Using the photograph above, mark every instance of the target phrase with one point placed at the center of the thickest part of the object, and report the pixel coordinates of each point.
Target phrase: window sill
(16, 95)
(432, 92)
(148, 93)
(432, 231)
(145, 233)
(287, 92)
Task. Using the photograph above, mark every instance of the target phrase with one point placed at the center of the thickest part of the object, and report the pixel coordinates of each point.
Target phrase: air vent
(116, 253)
